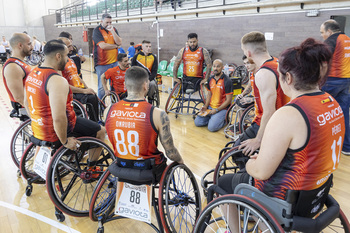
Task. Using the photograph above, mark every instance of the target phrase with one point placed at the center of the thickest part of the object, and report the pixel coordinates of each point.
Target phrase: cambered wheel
(179, 199)
(156, 99)
(231, 162)
(203, 92)
(173, 97)
(69, 180)
(246, 118)
(110, 99)
(242, 72)
(245, 215)
(20, 140)
(79, 109)
(103, 199)
(27, 162)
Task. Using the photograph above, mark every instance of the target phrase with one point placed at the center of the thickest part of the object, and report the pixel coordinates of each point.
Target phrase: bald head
(218, 65)
(18, 38)
(21, 45)
(218, 61)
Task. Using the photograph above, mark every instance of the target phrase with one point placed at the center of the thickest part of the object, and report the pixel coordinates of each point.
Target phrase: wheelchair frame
(243, 122)
(20, 139)
(277, 213)
(68, 179)
(176, 102)
(171, 192)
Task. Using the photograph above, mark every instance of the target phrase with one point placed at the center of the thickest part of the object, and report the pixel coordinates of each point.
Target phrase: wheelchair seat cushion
(137, 176)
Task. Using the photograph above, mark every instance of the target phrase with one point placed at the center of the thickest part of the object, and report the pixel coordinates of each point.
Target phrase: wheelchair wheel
(69, 180)
(20, 140)
(34, 59)
(246, 118)
(229, 114)
(101, 109)
(110, 99)
(242, 72)
(103, 199)
(203, 92)
(248, 216)
(340, 224)
(79, 109)
(26, 165)
(179, 199)
(173, 97)
(156, 99)
(231, 162)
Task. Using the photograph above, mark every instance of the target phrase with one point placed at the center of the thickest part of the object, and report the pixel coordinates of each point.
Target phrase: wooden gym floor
(198, 146)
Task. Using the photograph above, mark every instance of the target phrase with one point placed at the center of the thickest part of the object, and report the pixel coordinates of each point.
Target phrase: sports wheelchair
(3, 58)
(21, 138)
(69, 178)
(238, 116)
(176, 208)
(155, 98)
(239, 119)
(250, 210)
(36, 58)
(184, 99)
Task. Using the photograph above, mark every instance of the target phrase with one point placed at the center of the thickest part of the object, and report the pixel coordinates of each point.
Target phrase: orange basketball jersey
(117, 77)
(131, 131)
(26, 69)
(340, 65)
(309, 167)
(39, 104)
(193, 62)
(70, 73)
(281, 99)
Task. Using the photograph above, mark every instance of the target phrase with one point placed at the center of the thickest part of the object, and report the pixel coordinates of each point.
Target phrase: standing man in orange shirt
(116, 75)
(105, 41)
(338, 81)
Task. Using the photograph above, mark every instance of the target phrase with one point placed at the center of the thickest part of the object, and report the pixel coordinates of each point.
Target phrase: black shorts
(228, 182)
(84, 127)
(191, 83)
(249, 133)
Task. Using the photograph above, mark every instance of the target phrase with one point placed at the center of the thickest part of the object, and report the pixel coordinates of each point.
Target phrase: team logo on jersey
(129, 114)
(329, 115)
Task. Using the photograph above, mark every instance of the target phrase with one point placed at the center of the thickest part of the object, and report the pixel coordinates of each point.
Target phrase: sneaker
(96, 171)
(345, 153)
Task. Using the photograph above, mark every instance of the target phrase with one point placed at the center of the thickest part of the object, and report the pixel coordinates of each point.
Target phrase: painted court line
(39, 217)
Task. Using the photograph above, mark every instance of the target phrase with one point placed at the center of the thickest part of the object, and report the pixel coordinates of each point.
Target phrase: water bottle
(226, 70)
(80, 52)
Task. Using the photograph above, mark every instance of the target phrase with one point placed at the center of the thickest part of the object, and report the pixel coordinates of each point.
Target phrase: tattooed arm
(177, 64)
(161, 120)
(209, 65)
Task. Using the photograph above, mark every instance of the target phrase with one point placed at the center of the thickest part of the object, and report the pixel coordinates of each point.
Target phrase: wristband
(65, 143)
(216, 110)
